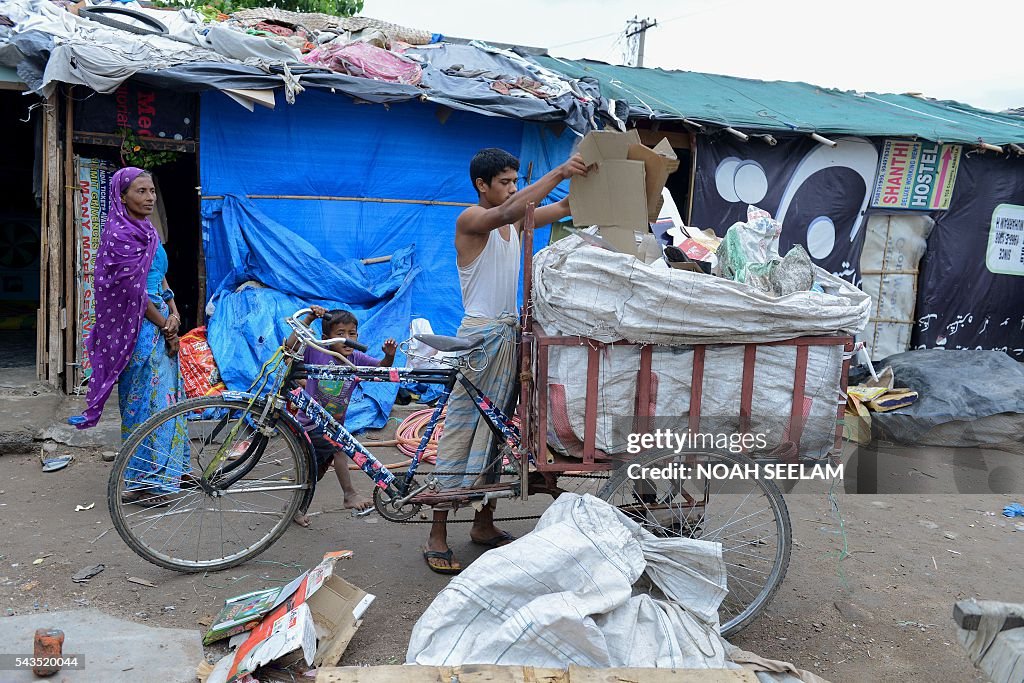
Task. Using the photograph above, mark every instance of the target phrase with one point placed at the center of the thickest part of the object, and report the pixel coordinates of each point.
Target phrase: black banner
(819, 193)
(961, 302)
(146, 111)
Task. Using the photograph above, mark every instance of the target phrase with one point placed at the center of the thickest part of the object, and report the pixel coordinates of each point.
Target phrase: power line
(587, 40)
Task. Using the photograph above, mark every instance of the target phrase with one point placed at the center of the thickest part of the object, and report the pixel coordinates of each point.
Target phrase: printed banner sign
(146, 111)
(918, 176)
(1005, 253)
(93, 181)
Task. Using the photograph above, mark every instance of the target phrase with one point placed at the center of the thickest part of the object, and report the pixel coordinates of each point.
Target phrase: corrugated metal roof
(779, 106)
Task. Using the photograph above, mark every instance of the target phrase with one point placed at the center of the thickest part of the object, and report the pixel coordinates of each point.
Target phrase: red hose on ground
(410, 433)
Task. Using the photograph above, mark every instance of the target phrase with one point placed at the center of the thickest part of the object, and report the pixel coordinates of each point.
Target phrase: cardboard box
(313, 623)
(622, 192)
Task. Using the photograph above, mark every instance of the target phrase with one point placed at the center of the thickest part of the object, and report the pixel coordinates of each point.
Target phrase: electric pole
(637, 28)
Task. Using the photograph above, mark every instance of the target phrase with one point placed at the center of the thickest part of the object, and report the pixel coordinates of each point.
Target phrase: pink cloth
(366, 61)
(127, 248)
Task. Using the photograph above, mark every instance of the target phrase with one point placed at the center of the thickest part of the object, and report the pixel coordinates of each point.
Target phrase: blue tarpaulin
(296, 197)
(275, 272)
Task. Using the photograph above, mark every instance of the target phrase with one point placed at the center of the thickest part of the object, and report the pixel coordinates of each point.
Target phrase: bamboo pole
(375, 200)
(53, 229)
(69, 309)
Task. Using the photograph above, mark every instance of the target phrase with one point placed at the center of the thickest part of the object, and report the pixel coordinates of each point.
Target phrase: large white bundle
(587, 291)
(563, 594)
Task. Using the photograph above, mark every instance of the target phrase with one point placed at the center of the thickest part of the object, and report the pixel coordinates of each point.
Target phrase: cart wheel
(124, 19)
(747, 516)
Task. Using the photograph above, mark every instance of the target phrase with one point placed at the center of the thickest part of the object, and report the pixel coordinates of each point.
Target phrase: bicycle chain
(520, 518)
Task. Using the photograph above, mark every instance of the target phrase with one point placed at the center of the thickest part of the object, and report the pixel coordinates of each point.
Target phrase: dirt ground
(883, 612)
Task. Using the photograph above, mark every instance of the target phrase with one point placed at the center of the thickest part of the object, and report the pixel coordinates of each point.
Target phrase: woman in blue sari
(134, 341)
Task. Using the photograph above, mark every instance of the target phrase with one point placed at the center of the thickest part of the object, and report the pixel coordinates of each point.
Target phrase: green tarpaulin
(782, 106)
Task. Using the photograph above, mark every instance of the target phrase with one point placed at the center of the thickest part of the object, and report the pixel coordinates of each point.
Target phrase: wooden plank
(967, 613)
(490, 673)
(578, 674)
(42, 359)
(69, 309)
(54, 216)
(381, 674)
(40, 346)
(113, 140)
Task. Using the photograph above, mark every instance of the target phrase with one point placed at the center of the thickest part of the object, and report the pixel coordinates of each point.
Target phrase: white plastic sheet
(591, 292)
(564, 594)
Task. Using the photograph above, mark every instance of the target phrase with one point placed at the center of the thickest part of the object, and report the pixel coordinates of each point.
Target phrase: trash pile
(954, 398)
(303, 625)
(626, 195)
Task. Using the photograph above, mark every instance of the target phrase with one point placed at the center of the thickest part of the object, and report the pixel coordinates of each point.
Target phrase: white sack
(582, 290)
(563, 594)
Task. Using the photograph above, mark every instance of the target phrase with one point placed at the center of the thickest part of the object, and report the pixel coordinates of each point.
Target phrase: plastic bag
(198, 368)
(749, 253)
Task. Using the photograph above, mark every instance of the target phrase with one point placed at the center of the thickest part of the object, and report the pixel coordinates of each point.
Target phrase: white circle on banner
(725, 179)
(751, 183)
(821, 237)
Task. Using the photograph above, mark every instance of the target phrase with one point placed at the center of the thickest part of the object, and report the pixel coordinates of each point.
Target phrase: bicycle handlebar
(306, 333)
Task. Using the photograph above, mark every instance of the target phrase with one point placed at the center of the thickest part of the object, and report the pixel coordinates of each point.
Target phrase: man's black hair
(490, 162)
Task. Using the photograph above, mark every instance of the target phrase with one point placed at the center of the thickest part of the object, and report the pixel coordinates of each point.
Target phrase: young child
(334, 396)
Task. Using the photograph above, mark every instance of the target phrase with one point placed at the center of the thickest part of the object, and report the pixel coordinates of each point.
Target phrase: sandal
(453, 566)
(502, 539)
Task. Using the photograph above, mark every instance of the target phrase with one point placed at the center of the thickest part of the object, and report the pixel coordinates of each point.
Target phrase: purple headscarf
(127, 248)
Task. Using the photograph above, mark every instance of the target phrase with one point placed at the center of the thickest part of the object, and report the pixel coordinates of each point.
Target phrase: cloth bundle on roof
(315, 21)
(366, 61)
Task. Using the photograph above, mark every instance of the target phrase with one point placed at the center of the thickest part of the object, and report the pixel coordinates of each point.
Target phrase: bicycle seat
(448, 344)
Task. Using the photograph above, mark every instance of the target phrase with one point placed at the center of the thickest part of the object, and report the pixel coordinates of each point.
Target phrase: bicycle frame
(499, 423)
(279, 374)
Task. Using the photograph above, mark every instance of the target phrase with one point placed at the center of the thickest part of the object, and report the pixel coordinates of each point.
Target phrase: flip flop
(452, 568)
(502, 539)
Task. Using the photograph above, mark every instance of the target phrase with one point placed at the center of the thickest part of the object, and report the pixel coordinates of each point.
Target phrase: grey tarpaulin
(575, 103)
(962, 387)
(53, 46)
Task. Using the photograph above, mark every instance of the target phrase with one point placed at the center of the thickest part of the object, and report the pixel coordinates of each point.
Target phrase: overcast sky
(965, 50)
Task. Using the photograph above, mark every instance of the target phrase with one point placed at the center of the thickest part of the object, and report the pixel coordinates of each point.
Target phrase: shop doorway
(20, 222)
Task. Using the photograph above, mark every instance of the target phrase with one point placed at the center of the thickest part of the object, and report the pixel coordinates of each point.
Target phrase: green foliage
(210, 8)
(133, 153)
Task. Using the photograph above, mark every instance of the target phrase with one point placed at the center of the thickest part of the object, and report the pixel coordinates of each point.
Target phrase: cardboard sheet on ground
(312, 620)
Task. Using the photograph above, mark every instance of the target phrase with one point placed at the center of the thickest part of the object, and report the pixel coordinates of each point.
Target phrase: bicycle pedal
(363, 513)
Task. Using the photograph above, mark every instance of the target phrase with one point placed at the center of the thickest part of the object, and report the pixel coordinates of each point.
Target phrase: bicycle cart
(245, 466)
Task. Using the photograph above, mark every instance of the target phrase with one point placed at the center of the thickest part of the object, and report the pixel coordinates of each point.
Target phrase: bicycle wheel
(169, 517)
(747, 516)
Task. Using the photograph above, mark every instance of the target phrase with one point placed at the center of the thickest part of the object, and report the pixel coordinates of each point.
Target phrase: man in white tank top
(488, 248)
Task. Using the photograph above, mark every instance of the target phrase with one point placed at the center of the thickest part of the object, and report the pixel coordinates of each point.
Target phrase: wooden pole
(52, 229)
(375, 200)
(69, 309)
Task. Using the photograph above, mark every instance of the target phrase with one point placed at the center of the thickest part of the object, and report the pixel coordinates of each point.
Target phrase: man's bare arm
(482, 221)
